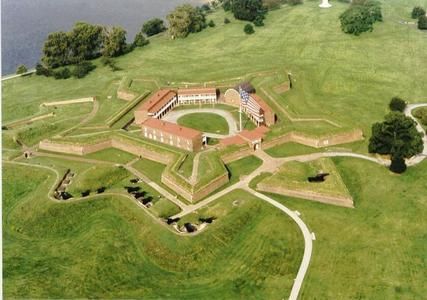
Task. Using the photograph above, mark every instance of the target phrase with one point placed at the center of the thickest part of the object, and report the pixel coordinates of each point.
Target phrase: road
(173, 117)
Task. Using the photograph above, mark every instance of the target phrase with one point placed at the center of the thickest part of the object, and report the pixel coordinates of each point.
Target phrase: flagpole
(240, 115)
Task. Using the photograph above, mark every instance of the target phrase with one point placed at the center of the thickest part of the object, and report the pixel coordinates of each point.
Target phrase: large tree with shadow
(397, 136)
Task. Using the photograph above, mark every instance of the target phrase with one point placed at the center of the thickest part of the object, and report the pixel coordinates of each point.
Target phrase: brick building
(197, 95)
(156, 106)
(256, 108)
(172, 134)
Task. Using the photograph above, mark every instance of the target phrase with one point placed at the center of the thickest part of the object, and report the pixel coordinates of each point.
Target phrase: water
(26, 23)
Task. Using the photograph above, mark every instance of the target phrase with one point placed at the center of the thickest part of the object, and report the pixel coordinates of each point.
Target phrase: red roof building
(156, 106)
(172, 134)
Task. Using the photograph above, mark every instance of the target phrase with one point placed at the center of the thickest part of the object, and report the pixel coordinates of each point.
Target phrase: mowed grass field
(205, 122)
(377, 250)
(109, 248)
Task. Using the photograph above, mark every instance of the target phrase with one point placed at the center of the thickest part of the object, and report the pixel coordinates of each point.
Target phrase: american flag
(244, 96)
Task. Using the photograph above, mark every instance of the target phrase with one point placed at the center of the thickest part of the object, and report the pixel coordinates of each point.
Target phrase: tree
(226, 5)
(247, 10)
(398, 165)
(56, 49)
(422, 23)
(140, 40)
(397, 136)
(21, 69)
(360, 17)
(211, 23)
(86, 41)
(114, 42)
(185, 19)
(248, 29)
(226, 21)
(153, 27)
(417, 12)
(397, 104)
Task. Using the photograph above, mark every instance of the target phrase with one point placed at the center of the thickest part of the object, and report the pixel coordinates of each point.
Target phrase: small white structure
(325, 4)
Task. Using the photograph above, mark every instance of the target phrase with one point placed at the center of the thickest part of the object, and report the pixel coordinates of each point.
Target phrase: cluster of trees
(186, 19)
(420, 13)
(361, 16)
(86, 42)
(397, 136)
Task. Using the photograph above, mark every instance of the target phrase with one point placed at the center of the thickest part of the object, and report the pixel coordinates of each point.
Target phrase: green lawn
(205, 122)
(294, 176)
(290, 149)
(151, 169)
(109, 248)
(112, 155)
(377, 250)
(242, 167)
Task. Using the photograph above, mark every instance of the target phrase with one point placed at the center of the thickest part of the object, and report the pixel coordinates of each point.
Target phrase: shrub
(82, 69)
(226, 21)
(21, 69)
(360, 17)
(259, 21)
(294, 2)
(247, 10)
(398, 165)
(108, 61)
(422, 23)
(140, 40)
(153, 26)
(41, 70)
(211, 23)
(424, 119)
(248, 29)
(417, 12)
(397, 104)
(63, 73)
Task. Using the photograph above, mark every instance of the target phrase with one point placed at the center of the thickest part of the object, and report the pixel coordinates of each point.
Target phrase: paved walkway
(173, 117)
(420, 157)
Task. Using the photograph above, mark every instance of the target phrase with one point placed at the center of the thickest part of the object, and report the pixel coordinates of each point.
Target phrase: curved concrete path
(173, 117)
(420, 157)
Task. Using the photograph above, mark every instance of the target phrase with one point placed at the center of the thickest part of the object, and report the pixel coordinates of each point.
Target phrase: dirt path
(89, 117)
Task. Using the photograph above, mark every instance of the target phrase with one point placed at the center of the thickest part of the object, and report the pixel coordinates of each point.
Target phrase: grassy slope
(377, 250)
(205, 122)
(293, 175)
(109, 248)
